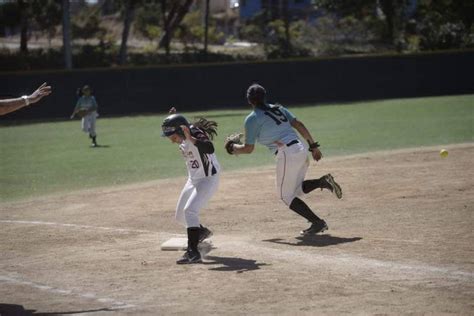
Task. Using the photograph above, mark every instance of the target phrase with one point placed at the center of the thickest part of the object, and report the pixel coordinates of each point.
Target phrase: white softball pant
(195, 195)
(88, 123)
(292, 164)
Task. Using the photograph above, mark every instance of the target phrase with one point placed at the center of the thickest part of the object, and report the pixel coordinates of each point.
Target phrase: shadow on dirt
(238, 265)
(315, 240)
(18, 310)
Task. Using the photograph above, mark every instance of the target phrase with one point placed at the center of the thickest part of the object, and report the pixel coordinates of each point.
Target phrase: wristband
(313, 145)
(25, 98)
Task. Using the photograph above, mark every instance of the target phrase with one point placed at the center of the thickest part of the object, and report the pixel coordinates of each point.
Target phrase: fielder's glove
(231, 140)
(82, 112)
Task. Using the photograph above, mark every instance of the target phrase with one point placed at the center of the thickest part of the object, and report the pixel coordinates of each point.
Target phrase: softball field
(399, 242)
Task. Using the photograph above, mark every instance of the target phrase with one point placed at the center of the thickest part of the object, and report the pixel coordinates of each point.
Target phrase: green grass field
(44, 158)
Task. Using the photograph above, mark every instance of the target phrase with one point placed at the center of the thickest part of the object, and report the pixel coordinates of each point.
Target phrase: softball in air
(443, 153)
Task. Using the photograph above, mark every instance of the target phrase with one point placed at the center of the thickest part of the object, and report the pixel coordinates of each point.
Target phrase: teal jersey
(269, 126)
(87, 102)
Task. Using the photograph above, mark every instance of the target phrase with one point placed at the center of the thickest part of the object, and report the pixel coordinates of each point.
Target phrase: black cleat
(332, 185)
(318, 227)
(190, 257)
(204, 233)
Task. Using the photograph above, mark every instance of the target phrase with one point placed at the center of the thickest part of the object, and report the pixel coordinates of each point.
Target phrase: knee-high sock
(310, 185)
(193, 238)
(300, 207)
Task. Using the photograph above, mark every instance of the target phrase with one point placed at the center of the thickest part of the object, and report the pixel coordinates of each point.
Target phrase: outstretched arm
(301, 128)
(11, 105)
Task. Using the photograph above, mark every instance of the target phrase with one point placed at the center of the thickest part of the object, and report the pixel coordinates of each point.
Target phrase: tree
(129, 11)
(444, 24)
(9, 17)
(173, 19)
(24, 10)
(392, 12)
(166, 44)
(206, 26)
(148, 19)
(47, 14)
(67, 34)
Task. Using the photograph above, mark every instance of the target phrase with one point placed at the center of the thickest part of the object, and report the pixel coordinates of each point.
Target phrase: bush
(148, 20)
(34, 60)
(86, 25)
(435, 33)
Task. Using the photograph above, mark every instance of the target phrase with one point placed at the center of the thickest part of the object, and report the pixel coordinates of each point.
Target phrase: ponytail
(208, 127)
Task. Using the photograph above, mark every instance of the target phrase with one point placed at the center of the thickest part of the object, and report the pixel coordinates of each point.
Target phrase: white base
(175, 243)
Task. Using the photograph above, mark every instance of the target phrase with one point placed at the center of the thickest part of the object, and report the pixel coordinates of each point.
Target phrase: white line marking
(361, 265)
(386, 270)
(115, 304)
(115, 229)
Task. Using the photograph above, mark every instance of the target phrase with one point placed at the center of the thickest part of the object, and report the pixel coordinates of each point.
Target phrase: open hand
(41, 92)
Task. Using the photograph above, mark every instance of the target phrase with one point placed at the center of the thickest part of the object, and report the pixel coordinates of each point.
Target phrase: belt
(292, 143)
(295, 141)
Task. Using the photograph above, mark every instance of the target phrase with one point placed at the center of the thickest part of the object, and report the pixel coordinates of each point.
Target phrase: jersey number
(276, 115)
(194, 164)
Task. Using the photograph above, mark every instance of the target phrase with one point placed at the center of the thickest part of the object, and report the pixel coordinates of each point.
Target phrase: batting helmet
(256, 94)
(172, 123)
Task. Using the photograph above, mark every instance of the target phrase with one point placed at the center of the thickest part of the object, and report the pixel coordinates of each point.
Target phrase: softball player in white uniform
(274, 126)
(203, 176)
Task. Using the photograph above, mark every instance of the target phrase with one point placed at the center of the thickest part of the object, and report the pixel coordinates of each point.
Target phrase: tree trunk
(165, 27)
(127, 22)
(67, 35)
(394, 11)
(175, 17)
(24, 26)
(286, 19)
(206, 26)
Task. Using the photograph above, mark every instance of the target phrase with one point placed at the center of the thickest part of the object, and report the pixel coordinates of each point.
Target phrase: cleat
(315, 228)
(204, 233)
(333, 186)
(190, 257)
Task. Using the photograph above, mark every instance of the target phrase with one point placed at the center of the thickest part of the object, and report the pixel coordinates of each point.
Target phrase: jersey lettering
(194, 164)
(276, 115)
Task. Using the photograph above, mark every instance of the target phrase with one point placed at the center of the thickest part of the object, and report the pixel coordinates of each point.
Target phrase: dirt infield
(399, 242)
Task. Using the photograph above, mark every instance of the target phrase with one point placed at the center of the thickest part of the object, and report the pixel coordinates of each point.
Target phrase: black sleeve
(205, 146)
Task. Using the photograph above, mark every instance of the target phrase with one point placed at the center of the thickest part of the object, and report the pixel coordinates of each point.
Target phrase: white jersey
(199, 163)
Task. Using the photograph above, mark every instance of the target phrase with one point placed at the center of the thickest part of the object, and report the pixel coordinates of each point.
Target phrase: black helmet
(172, 124)
(256, 94)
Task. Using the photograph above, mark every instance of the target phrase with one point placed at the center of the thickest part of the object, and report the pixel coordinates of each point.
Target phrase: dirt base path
(400, 241)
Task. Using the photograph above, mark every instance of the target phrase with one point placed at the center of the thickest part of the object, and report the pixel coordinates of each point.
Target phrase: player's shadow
(100, 146)
(18, 310)
(315, 240)
(238, 265)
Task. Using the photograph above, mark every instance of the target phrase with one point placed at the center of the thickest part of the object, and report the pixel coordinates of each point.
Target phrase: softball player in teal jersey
(274, 127)
(88, 103)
